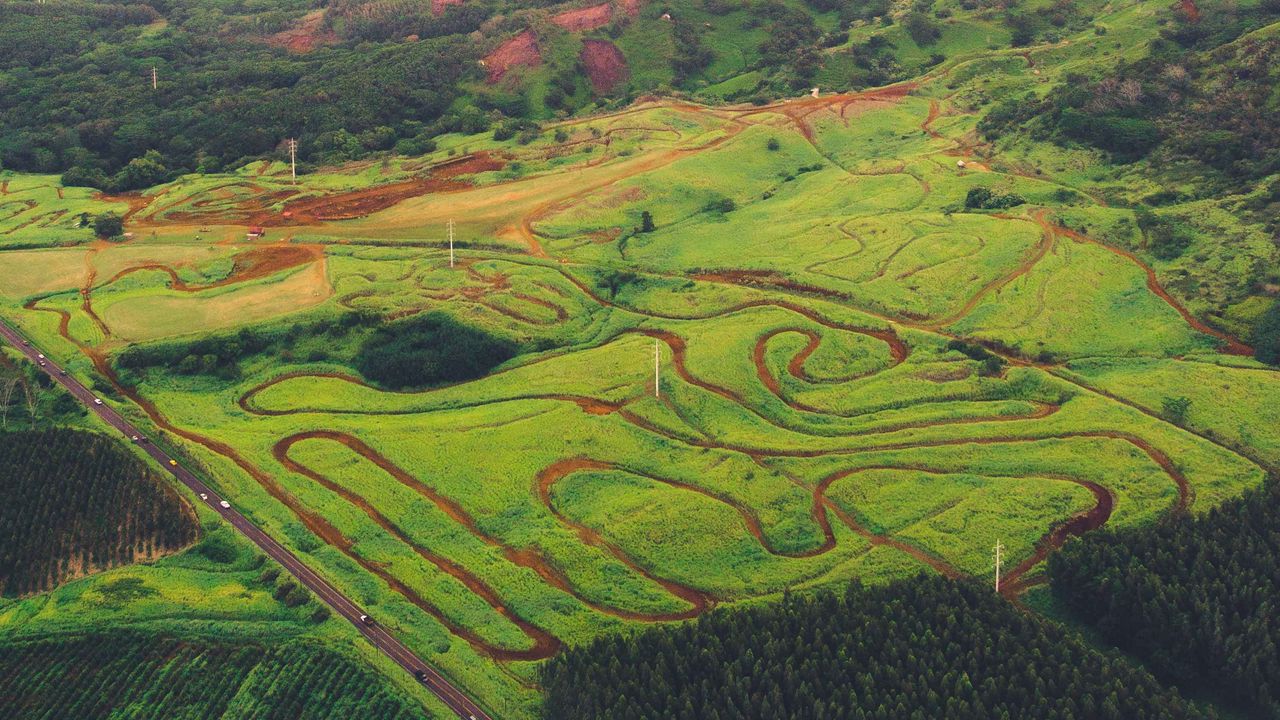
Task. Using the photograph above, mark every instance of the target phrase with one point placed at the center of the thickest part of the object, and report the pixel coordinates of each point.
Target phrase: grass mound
(429, 350)
(76, 502)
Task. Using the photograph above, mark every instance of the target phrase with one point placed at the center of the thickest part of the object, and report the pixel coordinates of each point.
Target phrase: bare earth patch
(605, 65)
(519, 51)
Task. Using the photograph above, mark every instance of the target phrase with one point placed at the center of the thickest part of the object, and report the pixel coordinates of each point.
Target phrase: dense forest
(1194, 597)
(75, 501)
(76, 92)
(430, 349)
(1202, 95)
(132, 675)
(234, 79)
(913, 650)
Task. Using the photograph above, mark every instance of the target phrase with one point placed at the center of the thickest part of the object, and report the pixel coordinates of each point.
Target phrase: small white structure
(959, 163)
(814, 92)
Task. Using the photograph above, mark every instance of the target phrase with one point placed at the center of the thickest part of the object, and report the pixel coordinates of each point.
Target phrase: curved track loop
(542, 643)
(530, 558)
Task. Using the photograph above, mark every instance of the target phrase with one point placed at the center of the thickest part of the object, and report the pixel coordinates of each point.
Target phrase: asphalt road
(376, 634)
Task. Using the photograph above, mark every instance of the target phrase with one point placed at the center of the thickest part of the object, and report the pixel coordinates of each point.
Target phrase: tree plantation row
(79, 502)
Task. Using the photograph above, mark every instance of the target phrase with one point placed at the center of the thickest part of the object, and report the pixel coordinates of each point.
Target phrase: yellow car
(173, 462)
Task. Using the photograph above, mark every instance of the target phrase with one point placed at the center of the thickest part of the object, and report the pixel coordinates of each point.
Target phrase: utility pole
(293, 160)
(999, 557)
(451, 242)
(657, 356)
(155, 78)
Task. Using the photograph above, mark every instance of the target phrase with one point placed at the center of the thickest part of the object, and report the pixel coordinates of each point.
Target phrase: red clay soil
(1015, 582)
(531, 558)
(1190, 10)
(135, 201)
(251, 264)
(519, 51)
(438, 6)
(605, 65)
(358, 203)
(307, 35)
(583, 19)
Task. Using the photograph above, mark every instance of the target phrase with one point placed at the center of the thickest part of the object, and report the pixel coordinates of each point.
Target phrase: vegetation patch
(1193, 597)
(429, 350)
(128, 674)
(844, 655)
(76, 502)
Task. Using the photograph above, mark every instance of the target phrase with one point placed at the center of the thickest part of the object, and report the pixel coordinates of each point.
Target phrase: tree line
(1195, 597)
(76, 500)
(917, 649)
(129, 674)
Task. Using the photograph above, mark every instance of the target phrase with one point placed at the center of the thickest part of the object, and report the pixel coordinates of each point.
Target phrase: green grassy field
(856, 376)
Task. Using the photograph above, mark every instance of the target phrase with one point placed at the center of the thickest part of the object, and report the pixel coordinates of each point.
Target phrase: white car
(204, 496)
(40, 355)
(97, 401)
(226, 505)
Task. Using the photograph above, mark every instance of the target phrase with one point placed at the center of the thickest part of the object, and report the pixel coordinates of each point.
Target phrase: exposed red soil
(438, 6)
(307, 35)
(605, 65)
(519, 51)
(251, 264)
(1047, 236)
(583, 19)
(135, 201)
(358, 203)
(1190, 10)
(343, 205)
(798, 110)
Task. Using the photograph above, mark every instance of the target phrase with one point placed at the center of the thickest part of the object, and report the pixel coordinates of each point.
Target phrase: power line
(657, 357)
(999, 556)
(155, 78)
(450, 242)
(293, 159)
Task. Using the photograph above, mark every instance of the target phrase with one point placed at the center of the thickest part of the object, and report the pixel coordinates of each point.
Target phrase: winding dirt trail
(544, 645)
(531, 558)
(1231, 345)
(698, 600)
(259, 262)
